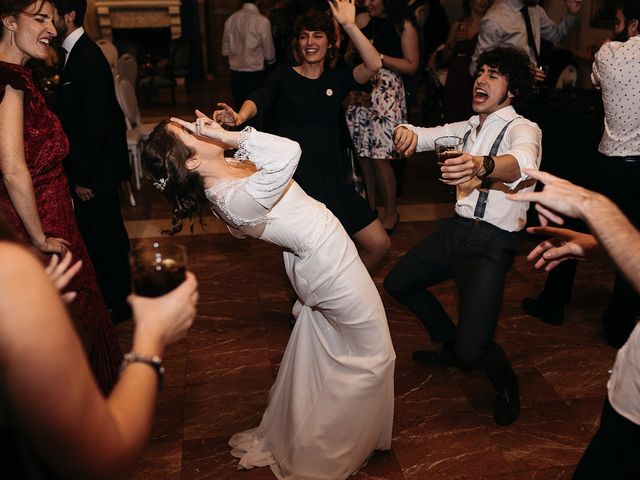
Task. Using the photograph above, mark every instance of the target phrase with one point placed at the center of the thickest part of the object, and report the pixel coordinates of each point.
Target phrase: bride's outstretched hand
(344, 11)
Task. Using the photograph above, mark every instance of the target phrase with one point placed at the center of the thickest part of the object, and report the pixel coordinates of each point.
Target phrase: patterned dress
(45, 147)
(371, 125)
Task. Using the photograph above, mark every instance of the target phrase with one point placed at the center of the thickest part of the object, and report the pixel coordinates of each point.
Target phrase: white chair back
(127, 68)
(126, 95)
(110, 52)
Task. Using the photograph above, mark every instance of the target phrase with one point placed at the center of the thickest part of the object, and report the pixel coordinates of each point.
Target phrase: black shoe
(445, 356)
(548, 313)
(507, 405)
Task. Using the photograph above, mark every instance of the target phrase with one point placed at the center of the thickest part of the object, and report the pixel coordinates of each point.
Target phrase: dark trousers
(477, 256)
(103, 231)
(244, 84)
(613, 451)
(618, 179)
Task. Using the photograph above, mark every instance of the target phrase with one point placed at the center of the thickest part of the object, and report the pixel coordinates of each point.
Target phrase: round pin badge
(329, 92)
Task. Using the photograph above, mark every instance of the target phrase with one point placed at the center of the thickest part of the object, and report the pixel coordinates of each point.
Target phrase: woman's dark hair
(11, 8)
(68, 6)
(315, 21)
(513, 63)
(631, 11)
(397, 11)
(164, 161)
(466, 6)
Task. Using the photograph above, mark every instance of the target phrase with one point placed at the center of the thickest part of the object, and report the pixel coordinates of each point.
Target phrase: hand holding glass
(447, 147)
(158, 268)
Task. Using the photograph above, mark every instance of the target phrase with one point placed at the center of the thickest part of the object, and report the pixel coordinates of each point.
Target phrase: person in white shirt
(613, 450)
(615, 172)
(477, 246)
(521, 24)
(248, 44)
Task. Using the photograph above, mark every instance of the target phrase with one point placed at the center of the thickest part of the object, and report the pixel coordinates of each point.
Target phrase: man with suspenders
(477, 246)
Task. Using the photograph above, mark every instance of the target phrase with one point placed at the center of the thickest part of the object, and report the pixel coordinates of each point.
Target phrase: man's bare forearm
(616, 234)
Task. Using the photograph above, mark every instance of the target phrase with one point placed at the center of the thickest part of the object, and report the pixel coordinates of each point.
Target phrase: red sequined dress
(45, 146)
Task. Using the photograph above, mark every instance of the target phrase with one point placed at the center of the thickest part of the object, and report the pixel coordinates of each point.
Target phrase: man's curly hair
(515, 65)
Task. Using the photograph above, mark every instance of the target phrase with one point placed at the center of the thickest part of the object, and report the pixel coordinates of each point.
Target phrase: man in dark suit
(98, 160)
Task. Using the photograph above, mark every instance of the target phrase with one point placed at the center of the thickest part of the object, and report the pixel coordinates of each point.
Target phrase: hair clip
(161, 184)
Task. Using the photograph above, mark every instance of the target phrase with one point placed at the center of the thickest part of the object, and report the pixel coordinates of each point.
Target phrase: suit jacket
(92, 119)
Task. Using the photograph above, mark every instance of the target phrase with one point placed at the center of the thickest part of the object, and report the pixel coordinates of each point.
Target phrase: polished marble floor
(218, 378)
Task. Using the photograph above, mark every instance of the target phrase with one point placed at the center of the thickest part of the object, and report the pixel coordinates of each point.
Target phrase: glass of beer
(449, 146)
(158, 268)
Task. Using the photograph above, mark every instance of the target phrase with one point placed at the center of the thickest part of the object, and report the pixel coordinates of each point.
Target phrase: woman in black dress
(307, 102)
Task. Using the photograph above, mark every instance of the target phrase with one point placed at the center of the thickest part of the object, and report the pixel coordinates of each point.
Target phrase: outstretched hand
(563, 244)
(559, 197)
(405, 141)
(60, 272)
(227, 116)
(344, 11)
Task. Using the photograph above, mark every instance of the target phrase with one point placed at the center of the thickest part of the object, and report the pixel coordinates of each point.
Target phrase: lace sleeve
(276, 159)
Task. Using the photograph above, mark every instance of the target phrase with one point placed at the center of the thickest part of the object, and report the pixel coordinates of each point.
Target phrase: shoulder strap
(481, 204)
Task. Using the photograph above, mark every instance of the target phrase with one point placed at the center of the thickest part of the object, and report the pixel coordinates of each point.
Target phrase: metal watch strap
(154, 362)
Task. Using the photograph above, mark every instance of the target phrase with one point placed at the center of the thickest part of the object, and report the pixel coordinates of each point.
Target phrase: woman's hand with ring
(203, 126)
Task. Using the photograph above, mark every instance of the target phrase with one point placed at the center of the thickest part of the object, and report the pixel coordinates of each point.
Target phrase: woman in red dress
(34, 194)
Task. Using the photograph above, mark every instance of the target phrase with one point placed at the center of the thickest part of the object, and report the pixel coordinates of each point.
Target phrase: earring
(11, 39)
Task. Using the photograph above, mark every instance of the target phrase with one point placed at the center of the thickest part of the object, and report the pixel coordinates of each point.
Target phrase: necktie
(530, 40)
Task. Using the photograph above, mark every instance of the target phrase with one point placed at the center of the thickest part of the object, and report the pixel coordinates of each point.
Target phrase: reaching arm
(408, 64)
(16, 176)
(461, 169)
(229, 117)
(344, 11)
(612, 229)
(49, 389)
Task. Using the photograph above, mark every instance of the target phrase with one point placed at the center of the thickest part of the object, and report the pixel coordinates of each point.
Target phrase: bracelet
(154, 362)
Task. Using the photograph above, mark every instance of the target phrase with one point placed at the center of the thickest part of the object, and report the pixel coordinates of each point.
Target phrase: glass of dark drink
(447, 147)
(157, 268)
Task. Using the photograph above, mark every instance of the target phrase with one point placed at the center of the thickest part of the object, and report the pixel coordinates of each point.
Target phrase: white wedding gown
(331, 405)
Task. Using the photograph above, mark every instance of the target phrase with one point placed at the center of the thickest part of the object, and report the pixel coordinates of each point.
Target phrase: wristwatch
(489, 164)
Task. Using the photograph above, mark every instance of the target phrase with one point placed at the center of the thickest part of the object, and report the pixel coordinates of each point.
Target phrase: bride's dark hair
(164, 160)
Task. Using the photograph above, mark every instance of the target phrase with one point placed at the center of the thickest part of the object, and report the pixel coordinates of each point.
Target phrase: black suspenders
(481, 204)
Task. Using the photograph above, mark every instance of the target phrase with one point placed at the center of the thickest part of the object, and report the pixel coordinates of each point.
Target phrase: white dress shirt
(503, 26)
(69, 42)
(616, 71)
(522, 140)
(247, 40)
(624, 383)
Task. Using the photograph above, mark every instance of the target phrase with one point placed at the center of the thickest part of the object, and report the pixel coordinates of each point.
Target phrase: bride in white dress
(331, 405)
